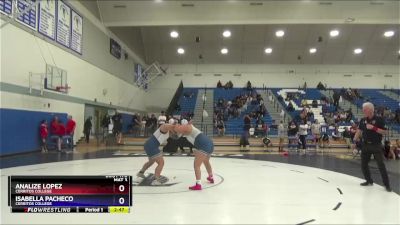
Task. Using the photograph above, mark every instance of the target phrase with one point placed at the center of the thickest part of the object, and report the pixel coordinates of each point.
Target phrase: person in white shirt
(316, 130)
(303, 133)
(281, 135)
(162, 119)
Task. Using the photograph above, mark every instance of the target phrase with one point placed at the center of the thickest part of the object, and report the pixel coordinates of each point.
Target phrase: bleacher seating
(188, 102)
(234, 126)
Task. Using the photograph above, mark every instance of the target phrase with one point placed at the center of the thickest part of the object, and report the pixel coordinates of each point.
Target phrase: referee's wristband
(375, 129)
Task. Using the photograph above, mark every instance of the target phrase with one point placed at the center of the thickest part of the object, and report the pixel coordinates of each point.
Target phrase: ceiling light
(268, 50)
(174, 34)
(181, 51)
(399, 51)
(226, 33)
(224, 51)
(313, 50)
(389, 33)
(357, 51)
(280, 33)
(334, 33)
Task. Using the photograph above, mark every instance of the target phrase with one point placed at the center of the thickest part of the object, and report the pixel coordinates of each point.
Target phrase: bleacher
(187, 104)
(234, 126)
(378, 99)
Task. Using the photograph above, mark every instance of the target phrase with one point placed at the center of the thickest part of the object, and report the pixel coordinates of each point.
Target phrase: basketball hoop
(63, 89)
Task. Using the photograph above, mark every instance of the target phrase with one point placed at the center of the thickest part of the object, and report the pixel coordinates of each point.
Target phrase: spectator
(303, 134)
(248, 86)
(292, 129)
(219, 84)
(151, 125)
(396, 149)
(347, 137)
(336, 97)
(320, 86)
(57, 130)
(336, 134)
(117, 129)
(290, 107)
(316, 131)
(43, 135)
(220, 127)
(281, 135)
(87, 127)
(136, 124)
(70, 129)
(260, 128)
(162, 119)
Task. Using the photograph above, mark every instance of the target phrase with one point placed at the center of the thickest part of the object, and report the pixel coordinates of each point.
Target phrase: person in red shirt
(57, 129)
(43, 135)
(70, 129)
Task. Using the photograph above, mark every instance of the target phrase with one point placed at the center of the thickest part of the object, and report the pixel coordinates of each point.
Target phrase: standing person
(117, 129)
(316, 131)
(151, 124)
(151, 147)
(244, 140)
(303, 133)
(70, 129)
(371, 129)
(43, 135)
(57, 129)
(281, 135)
(204, 148)
(87, 127)
(162, 119)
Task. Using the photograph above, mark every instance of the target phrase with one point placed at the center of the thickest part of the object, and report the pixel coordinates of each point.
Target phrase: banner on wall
(6, 7)
(47, 18)
(138, 72)
(28, 18)
(63, 24)
(115, 49)
(76, 32)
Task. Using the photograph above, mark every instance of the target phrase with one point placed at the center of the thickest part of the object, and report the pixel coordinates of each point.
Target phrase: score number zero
(121, 188)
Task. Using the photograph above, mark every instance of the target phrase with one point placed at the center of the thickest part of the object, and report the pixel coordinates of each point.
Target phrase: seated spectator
(303, 102)
(220, 127)
(396, 149)
(292, 129)
(260, 129)
(178, 107)
(188, 94)
(387, 150)
(336, 134)
(314, 104)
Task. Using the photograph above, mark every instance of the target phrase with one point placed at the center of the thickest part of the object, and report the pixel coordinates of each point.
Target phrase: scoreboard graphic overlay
(70, 194)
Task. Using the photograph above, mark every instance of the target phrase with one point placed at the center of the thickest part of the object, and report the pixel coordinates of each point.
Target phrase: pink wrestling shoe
(196, 187)
(210, 179)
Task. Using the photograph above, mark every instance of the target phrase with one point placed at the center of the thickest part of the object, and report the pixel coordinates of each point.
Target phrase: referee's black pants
(376, 150)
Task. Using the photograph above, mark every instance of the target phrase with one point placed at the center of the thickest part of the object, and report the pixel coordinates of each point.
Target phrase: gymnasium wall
(95, 77)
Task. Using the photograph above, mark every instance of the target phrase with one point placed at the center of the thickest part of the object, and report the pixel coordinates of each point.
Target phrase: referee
(371, 129)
